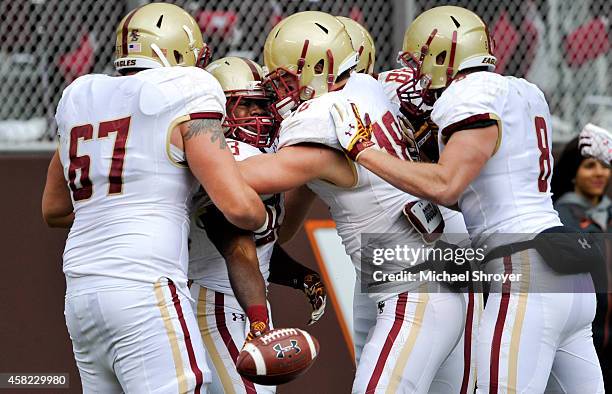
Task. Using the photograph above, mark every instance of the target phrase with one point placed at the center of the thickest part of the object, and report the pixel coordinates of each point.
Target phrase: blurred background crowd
(561, 45)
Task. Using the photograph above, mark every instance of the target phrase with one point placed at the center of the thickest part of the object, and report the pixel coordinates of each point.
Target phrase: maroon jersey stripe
(227, 337)
(467, 343)
(205, 115)
(400, 310)
(499, 329)
(465, 124)
(190, 353)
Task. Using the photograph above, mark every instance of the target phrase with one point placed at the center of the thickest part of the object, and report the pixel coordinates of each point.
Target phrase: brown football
(278, 356)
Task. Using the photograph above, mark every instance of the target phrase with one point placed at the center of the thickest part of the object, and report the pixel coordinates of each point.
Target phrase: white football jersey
(391, 80)
(372, 205)
(130, 197)
(206, 265)
(512, 192)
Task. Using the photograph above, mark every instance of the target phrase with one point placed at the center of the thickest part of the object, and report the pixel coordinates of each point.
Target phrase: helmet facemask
(203, 56)
(284, 86)
(258, 130)
(416, 93)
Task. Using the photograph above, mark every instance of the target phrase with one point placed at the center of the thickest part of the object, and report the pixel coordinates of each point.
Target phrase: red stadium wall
(32, 328)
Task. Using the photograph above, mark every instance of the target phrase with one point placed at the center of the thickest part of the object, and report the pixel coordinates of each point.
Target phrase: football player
(495, 162)
(398, 85)
(122, 177)
(363, 317)
(364, 307)
(310, 58)
(250, 130)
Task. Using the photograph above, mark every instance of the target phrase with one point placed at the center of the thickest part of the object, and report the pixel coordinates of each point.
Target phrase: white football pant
(135, 337)
(533, 338)
(223, 327)
(416, 346)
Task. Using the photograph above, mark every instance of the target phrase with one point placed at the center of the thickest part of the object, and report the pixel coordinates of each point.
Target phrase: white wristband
(264, 227)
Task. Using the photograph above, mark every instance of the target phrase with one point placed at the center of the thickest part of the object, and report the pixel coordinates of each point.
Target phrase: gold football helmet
(159, 35)
(362, 43)
(443, 41)
(305, 54)
(241, 79)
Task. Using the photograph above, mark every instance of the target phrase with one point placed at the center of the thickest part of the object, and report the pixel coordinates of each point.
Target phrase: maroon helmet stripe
(205, 115)
(124, 33)
(400, 310)
(187, 337)
(251, 65)
(330, 69)
(227, 336)
(451, 61)
(467, 343)
(302, 59)
(499, 329)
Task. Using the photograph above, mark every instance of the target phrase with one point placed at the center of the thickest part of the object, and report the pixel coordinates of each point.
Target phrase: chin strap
(191, 41)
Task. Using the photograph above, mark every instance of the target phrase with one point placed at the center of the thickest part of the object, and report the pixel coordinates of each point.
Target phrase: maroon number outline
(545, 171)
(122, 128)
(83, 163)
(393, 129)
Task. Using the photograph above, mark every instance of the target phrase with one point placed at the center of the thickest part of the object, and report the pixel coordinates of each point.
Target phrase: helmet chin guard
(241, 81)
(256, 130)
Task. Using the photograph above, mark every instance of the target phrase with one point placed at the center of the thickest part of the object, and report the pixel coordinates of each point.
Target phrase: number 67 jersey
(130, 195)
(512, 192)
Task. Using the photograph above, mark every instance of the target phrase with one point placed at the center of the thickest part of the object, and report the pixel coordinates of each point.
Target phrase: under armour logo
(238, 317)
(280, 350)
(584, 243)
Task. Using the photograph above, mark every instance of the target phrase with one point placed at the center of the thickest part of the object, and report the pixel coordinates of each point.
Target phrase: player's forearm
(266, 175)
(244, 209)
(244, 275)
(431, 182)
(60, 221)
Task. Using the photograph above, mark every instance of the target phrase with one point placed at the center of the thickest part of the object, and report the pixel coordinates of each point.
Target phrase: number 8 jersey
(512, 192)
(130, 196)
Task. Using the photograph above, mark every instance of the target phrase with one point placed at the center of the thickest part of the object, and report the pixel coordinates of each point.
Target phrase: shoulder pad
(168, 88)
(311, 122)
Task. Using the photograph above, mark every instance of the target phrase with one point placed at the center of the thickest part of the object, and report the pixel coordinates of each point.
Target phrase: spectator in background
(579, 185)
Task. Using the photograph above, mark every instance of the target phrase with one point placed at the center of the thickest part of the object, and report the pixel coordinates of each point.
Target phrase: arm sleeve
(286, 271)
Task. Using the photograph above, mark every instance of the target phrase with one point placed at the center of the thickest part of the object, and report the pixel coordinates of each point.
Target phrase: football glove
(353, 134)
(317, 296)
(258, 321)
(596, 142)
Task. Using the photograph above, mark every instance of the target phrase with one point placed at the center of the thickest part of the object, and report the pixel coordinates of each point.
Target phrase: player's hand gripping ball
(278, 356)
